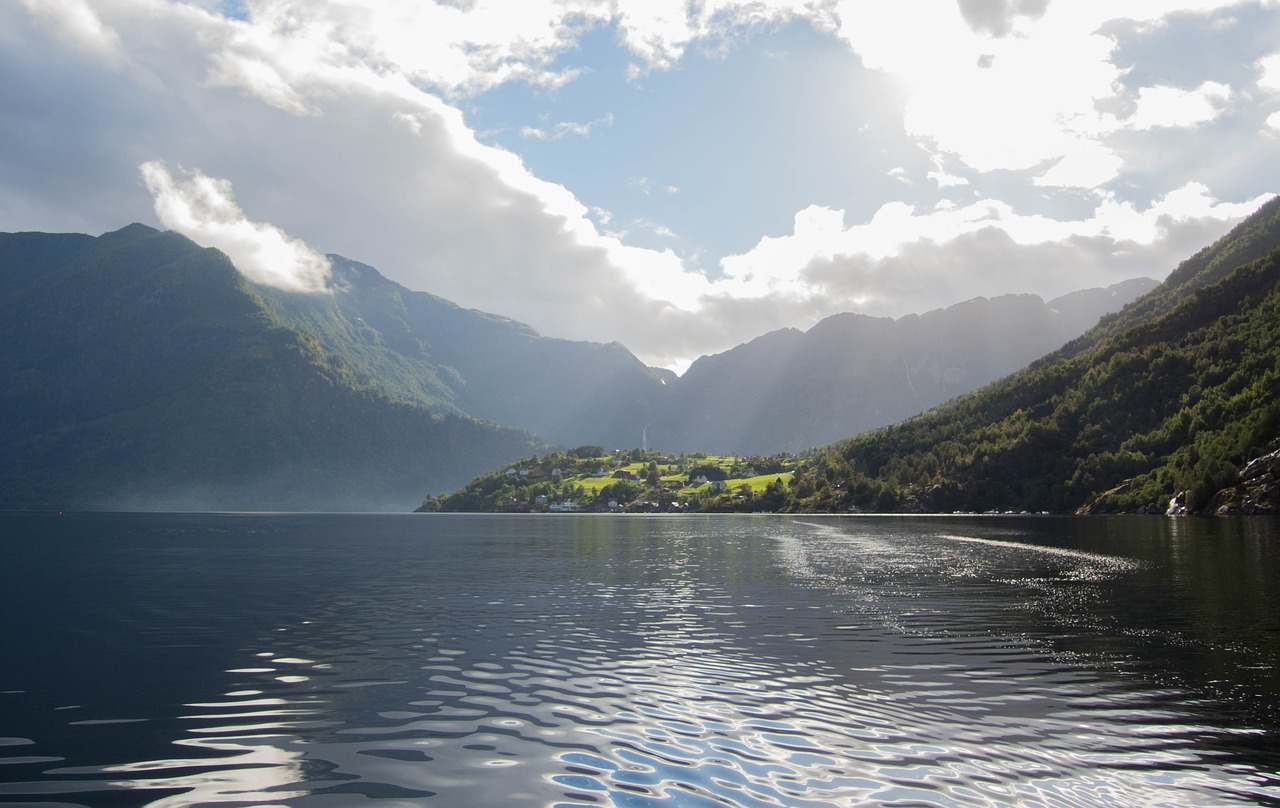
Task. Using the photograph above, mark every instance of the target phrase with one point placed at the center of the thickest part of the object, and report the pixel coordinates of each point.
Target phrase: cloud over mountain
(204, 209)
(1008, 131)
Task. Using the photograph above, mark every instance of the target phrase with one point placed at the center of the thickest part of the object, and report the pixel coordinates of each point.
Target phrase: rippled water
(746, 661)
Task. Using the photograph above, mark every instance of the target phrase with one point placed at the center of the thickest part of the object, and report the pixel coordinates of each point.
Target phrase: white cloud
(999, 17)
(1269, 72)
(565, 129)
(76, 22)
(459, 49)
(659, 230)
(257, 78)
(942, 177)
(464, 48)
(338, 123)
(1023, 100)
(647, 186)
(204, 209)
(1174, 107)
(902, 256)
(1085, 163)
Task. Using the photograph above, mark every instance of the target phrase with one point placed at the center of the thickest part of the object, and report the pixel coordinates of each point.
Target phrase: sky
(677, 176)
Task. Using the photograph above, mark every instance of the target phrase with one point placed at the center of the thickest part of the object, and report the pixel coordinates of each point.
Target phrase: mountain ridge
(142, 371)
(791, 390)
(1167, 406)
(139, 364)
(1168, 401)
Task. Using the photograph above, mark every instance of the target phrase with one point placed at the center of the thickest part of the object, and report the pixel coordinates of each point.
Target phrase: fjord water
(153, 659)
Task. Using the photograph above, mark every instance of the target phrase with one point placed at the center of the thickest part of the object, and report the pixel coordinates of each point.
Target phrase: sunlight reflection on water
(691, 662)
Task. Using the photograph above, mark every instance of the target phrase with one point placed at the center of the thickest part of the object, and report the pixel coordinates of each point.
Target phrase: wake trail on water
(1116, 563)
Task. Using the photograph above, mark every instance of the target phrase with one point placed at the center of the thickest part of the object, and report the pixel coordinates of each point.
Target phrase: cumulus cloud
(466, 48)
(998, 17)
(1020, 84)
(1175, 107)
(76, 22)
(342, 124)
(904, 257)
(204, 209)
(1269, 72)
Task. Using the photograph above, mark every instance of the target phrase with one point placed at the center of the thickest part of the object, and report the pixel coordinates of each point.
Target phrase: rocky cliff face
(1258, 491)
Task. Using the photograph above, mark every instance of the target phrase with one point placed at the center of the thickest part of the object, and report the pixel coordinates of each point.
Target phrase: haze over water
(752, 661)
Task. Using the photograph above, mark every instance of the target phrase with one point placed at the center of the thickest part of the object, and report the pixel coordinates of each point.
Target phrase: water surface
(634, 661)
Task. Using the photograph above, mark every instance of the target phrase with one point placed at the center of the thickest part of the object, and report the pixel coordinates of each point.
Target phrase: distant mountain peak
(128, 232)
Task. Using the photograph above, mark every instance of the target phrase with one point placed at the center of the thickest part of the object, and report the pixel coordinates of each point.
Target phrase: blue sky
(677, 177)
(717, 151)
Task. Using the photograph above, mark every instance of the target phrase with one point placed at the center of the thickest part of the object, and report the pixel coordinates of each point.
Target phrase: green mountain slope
(785, 391)
(142, 371)
(1169, 398)
(425, 350)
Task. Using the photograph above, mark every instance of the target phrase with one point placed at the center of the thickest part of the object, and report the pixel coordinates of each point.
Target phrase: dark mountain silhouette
(142, 371)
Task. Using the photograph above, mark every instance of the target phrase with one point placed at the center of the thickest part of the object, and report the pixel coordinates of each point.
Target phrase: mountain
(142, 371)
(785, 391)
(790, 390)
(1170, 404)
(427, 351)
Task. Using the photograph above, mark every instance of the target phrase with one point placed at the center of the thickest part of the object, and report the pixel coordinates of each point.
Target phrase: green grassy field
(629, 478)
(669, 473)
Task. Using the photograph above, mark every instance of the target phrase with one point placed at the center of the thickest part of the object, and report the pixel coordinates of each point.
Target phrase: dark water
(176, 660)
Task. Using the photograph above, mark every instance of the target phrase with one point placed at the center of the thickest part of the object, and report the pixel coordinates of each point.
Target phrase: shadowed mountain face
(143, 371)
(429, 351)
(785, 391)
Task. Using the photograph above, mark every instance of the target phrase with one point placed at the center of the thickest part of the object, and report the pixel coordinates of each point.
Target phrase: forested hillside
(1171, 406)
(1175, 397)
(427, 351)
(785, 391)
(142, 371)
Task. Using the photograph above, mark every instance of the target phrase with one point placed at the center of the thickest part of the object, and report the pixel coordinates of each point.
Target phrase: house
(719, 485)
(701, 479)
(539, 500)
(566, 506)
